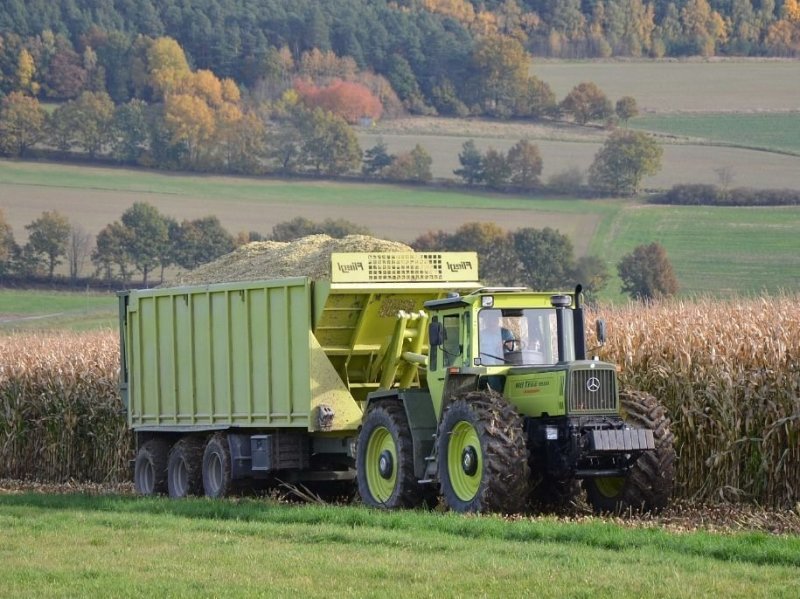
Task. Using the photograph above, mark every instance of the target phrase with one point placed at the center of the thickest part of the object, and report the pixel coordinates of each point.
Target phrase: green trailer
(381, 374)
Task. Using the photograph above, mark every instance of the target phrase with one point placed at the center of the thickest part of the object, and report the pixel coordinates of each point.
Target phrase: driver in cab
(495, 340)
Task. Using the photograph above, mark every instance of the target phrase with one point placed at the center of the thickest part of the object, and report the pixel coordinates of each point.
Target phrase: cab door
(447, 354)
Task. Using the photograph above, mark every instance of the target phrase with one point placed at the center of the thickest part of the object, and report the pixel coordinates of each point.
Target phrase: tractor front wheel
(385, 459)
(648, 485)
(483, 456)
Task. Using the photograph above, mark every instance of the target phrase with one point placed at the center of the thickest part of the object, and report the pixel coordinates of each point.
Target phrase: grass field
(28, 309)
(772, 131)
(77, 545)
(745, 250)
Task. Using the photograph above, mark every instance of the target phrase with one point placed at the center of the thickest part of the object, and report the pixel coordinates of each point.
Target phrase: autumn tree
(524, 164)
(471, 159)
(111, 250)
(166, 66)
(48, 236)
(22, 124)
(347, 99)
(195, 242)
(26, 70)
(647, 273)
(626, 108)
(8, 247)
(623, 161)
(329, 144)
(586, 102)
(191, 123)
(497, 256)
(546, 258)
(301, 227)
(130, 131)
(496, 169)
(92, 118)
(147, 237)
(501, 66)
(411, 166)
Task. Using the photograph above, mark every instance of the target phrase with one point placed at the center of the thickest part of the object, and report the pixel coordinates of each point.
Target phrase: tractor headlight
(551, 433)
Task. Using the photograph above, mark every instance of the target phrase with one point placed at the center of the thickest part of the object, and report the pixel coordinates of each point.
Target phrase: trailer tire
(483, 455)
(185, 468)
(150, 468)
(649, 484)
(385, 459)
(217, 481)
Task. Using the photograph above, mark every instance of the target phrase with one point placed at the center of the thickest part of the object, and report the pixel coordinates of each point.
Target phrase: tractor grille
(592, 391)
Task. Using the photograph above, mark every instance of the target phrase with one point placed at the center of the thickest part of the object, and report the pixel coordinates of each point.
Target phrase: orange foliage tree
(346, 99)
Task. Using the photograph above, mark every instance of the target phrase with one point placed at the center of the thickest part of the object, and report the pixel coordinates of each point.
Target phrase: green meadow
(79, 545)
(777, 132)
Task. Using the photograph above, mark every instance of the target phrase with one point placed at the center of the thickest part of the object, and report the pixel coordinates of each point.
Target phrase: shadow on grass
(755, 548)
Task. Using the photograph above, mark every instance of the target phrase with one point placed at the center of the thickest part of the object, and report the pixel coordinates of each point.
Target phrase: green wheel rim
(380, 441)
(609, 487)
(464, 438)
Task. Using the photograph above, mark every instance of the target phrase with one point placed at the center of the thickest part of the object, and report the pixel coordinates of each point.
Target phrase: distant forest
(426, 49)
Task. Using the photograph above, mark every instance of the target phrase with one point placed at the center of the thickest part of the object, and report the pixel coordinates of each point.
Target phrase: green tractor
(511, 415)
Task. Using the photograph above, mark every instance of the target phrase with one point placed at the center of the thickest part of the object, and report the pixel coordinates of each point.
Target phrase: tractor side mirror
(601, 331)
(435, 333)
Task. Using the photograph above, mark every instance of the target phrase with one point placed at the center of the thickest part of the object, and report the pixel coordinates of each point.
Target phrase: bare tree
(79, 248)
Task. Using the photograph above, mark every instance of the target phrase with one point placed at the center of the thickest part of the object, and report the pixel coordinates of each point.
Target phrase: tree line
(197, 121)
(144, 241)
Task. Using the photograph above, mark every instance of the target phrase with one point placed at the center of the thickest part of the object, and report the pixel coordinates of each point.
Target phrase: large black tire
(150, 468)
(385, 459)
(648, 486)
(482, 455)
(185, 468)
(217, 480)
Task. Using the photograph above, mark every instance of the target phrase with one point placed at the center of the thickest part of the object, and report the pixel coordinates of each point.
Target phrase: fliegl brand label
(351, 267)
(459, 266)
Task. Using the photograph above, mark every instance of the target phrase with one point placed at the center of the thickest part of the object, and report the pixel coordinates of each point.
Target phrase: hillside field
(718, 251)
(688, 104)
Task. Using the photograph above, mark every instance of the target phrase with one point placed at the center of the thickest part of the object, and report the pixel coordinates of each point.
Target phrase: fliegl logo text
(351, 267)
(458, 266)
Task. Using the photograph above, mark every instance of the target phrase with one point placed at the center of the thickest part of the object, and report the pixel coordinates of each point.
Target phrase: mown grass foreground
(81, 545)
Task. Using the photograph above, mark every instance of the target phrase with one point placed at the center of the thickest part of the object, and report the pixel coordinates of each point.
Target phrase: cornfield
(729, 375)
(727, 372)
(60, 412)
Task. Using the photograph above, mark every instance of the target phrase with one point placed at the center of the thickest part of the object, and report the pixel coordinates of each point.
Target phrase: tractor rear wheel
(648, 485)
(150, 468)
(385, 459)
(483, 456)
(184, 468)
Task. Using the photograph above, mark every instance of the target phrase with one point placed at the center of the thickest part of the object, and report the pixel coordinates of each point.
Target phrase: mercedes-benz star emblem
(593, 384)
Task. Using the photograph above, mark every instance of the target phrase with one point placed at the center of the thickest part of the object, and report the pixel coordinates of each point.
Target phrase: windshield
(521, 337)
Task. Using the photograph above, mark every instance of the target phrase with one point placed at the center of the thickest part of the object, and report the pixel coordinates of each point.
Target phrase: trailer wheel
(184, 468)
(385, 459)
(150, 468)
(648, 485)
(483, 455)
(217, 480)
